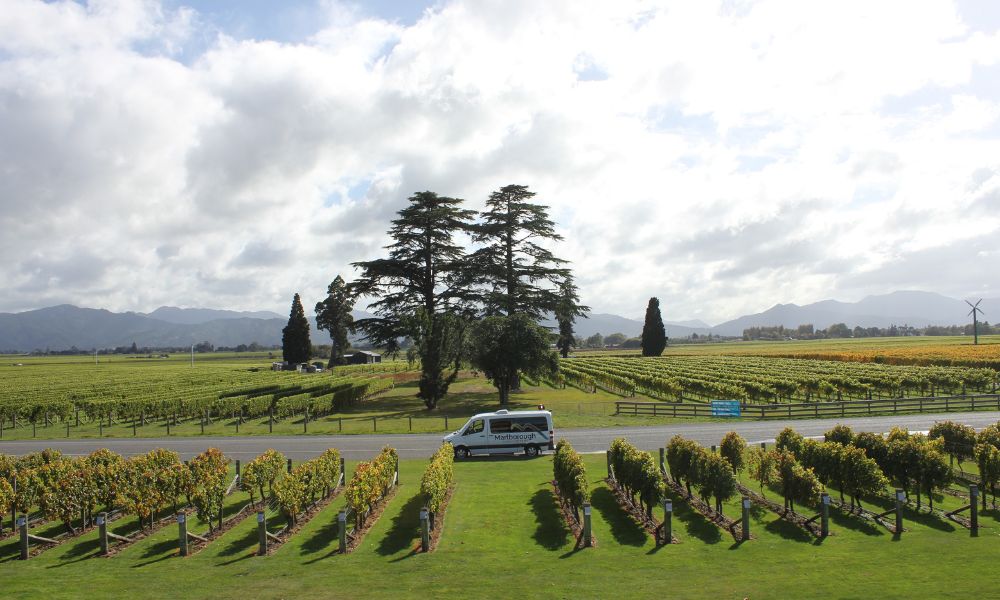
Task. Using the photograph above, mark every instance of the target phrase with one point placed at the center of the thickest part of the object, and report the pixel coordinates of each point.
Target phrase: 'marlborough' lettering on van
(503, 437)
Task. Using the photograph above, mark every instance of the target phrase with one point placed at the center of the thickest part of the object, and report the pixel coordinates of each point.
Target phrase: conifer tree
(566, 312)
(295, 344)
(334, 315)
(422, 289)
(654, 336)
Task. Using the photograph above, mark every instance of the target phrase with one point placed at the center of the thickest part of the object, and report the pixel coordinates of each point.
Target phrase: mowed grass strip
(504, 533)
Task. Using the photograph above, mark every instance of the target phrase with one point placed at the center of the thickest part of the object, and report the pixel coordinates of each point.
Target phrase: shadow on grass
(82, 548)
(911, 514)
(623, 527)
(551, 533)
(322, 538)
(405, 528)
(242, 544)
(160, 548)
(694, 523)
(788, 530)
(855, 523)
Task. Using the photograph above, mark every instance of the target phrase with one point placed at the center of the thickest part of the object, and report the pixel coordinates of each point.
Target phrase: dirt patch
(575, 526)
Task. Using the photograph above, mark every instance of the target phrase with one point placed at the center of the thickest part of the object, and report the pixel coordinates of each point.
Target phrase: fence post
(446, 422)
(763, 445)
(713, 449)
(825, 518)
(746, 519)
(425, 534)
(411, 423)
(203, 422)
(374, 424)
(261, 533)
(586, 524)
(342, 530)
(340, 424)
(22, 527)
(270, 419)
(305, 421)
(182, 533)
(238, 471)
(668, 526)
(289, 465)
(607, 455)
(974, 506)
(343, 472)
(102, 532)
(663, 464)
(900, 499)
(67, 428)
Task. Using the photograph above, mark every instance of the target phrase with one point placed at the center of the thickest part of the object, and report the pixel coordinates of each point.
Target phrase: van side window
(500, 426)
(531, 424)
(476, 427)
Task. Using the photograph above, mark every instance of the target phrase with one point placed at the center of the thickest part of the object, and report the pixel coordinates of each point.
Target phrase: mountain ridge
(63, 326)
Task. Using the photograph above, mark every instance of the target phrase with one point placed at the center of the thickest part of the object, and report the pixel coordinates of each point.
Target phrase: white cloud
(723, 156)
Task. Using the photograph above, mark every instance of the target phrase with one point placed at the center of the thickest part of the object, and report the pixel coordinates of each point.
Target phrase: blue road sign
(725, 408)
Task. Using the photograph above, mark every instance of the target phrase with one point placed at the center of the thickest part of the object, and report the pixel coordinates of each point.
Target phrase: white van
(504, 432)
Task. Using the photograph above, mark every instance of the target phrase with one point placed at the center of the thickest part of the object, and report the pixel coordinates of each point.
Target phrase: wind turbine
(975, 320)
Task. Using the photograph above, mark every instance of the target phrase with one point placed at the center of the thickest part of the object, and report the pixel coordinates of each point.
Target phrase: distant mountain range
(64, 326)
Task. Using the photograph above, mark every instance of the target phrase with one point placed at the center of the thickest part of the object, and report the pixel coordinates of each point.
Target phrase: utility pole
(192, 355)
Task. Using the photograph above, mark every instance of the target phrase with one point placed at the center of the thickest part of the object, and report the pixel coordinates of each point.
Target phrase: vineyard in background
(768, 380)
(109, 394)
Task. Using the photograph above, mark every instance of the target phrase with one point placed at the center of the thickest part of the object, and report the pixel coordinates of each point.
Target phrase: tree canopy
(334, 316)
(421, 289)
(504, 346)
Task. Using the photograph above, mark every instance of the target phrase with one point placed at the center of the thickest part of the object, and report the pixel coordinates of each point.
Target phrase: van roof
(513, 413)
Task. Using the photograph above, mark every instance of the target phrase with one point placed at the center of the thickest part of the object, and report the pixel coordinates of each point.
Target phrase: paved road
(359, 447)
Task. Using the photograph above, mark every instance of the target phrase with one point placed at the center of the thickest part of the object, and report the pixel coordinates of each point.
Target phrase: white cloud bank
(723, 156)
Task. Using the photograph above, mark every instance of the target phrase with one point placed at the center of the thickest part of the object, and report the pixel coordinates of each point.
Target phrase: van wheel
(531, 451)
(461, 452)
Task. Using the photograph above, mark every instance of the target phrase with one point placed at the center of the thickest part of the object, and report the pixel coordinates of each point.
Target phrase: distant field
(918, 350)
(152, 397)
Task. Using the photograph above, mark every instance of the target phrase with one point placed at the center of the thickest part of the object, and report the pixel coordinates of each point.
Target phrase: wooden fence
(851, 408)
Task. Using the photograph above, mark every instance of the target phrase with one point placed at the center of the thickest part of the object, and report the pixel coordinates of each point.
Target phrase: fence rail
(852, 408)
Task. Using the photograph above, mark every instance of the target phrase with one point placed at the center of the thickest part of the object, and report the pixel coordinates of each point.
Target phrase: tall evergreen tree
(654, 336)
(295, 344)
(566, 312)
(519, 275)
(334, 316)
(422, 289)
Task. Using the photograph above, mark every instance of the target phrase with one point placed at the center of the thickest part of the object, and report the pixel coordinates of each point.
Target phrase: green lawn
(503, 535)
(396, 411)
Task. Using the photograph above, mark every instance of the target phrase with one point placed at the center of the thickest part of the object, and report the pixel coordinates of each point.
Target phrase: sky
(723, 156)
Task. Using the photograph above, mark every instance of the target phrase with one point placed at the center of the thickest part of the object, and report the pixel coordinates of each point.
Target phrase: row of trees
(636, 473)
(436, 481)
(841, 330)
(370, 483)
(308, 482)
(66, 489)
(713, 475)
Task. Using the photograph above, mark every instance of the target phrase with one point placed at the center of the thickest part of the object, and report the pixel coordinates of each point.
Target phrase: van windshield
(474, 427)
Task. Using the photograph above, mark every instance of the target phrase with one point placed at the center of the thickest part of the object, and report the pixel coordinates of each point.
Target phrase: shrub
(261, 471)
(438, 476)
(570, 476)
(371, 481)
(732, 448)
(636, 473)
